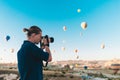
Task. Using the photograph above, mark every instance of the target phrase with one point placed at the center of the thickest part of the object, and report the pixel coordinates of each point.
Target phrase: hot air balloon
(7, 37)
(78, 10)
(84, 25)
(85, 67)
(76, 65)
(64, 28)
(76, 50)
(12, 50)
(102, 46)
(63, 48)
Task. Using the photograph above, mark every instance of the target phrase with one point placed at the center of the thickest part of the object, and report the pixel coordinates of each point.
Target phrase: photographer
(30, 57)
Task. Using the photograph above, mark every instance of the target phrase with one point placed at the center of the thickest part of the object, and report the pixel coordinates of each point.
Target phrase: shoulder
(27, 45)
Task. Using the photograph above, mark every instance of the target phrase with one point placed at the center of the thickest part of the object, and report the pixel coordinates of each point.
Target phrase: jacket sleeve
(39, 53)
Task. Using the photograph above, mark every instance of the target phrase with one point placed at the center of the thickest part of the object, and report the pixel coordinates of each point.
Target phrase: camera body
(49, 40)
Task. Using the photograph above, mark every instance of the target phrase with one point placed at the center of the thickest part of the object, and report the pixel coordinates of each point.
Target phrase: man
(30, 57)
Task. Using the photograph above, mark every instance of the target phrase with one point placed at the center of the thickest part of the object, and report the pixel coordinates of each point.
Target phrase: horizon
(66, 60)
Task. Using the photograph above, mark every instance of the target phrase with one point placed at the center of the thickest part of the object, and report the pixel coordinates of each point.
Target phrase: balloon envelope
(7, 37)
(85, 67)
(63, 48)
(64, 28)
(12, 50)
(102, 46)
(76, 65)
(84, 25)
(78, 10)
(75, 50)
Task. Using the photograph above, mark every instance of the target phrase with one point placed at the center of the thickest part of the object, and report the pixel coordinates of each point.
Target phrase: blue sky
(102, 17)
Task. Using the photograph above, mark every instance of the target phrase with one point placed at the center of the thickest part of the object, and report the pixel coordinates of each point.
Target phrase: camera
(42, 45)
(49, 40)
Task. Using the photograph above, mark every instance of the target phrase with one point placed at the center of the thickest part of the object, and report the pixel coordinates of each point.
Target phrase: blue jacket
(30, 61)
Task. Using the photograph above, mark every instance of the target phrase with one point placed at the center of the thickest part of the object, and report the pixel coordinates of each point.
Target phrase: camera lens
(51, 39)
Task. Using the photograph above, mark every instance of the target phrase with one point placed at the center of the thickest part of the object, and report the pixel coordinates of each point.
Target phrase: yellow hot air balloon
(84, 25)
(78, 10)
(64, 28)
(76, 65)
